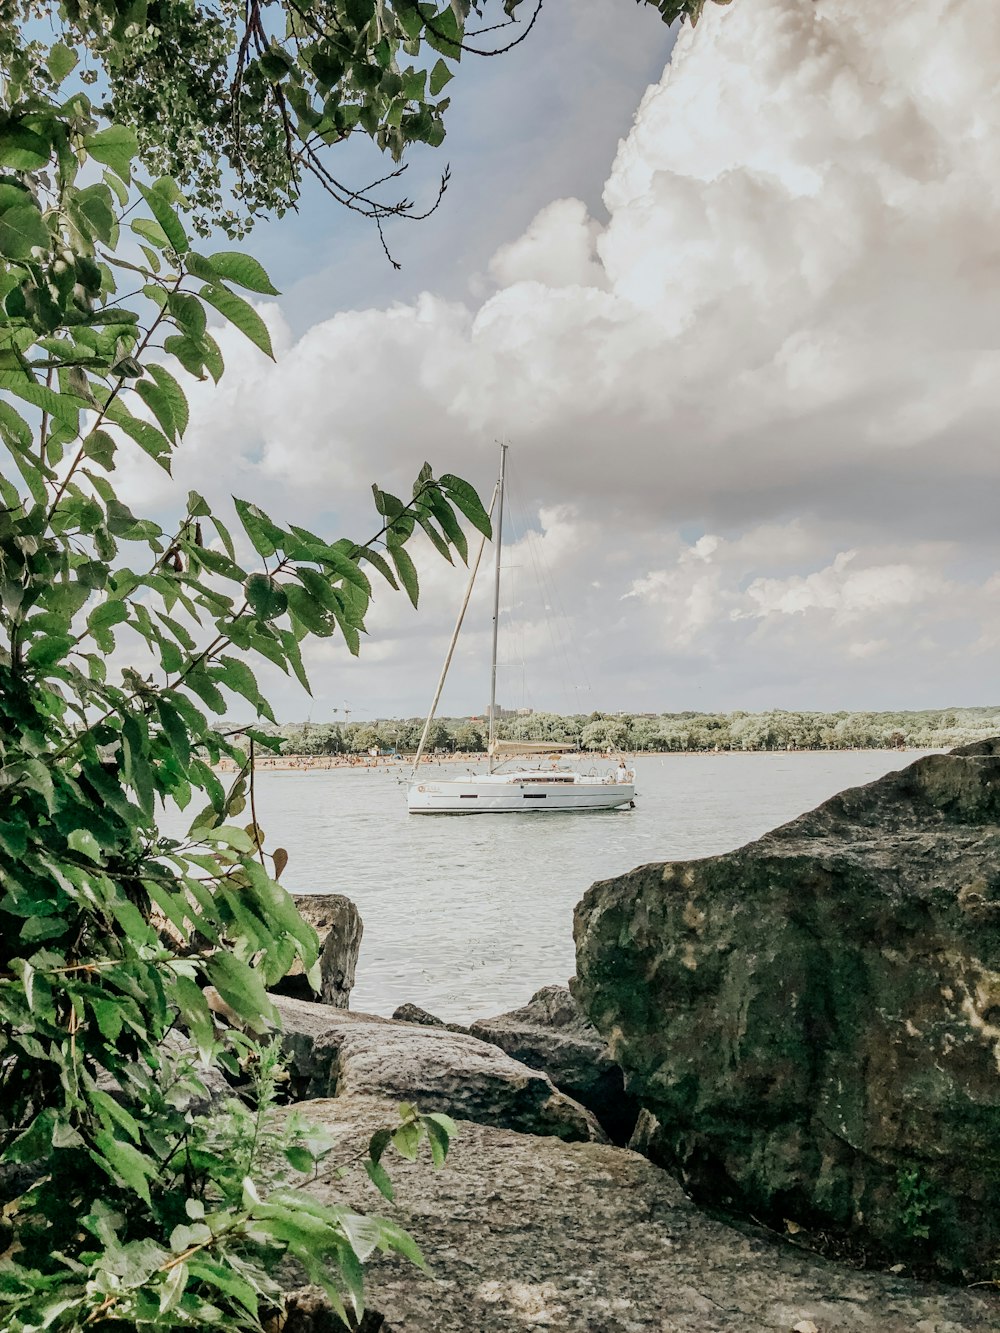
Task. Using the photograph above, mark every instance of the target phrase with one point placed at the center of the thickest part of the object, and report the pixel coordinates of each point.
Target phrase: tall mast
(496, 604)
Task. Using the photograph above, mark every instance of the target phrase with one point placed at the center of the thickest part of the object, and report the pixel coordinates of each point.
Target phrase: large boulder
(552, 1033)
(338, 924)
(813, 1020)
(338, 1054)
(521, 1233)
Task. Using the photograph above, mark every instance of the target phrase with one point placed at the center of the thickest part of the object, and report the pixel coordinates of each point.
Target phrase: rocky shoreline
(807, 1030)
(538, 1221)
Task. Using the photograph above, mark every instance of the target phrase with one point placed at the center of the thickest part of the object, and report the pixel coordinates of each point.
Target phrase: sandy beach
(322, 763)
(310, 762)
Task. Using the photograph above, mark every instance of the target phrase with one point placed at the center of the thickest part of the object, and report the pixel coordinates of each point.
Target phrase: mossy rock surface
(814, 1020)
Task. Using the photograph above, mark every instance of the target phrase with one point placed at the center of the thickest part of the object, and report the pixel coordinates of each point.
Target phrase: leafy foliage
(121, 645)
(916, 1204)
(672, 10)
(244, 99)
(241, 101)
(238, 1195)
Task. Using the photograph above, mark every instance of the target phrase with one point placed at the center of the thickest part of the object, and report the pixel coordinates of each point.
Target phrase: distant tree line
(672, 732)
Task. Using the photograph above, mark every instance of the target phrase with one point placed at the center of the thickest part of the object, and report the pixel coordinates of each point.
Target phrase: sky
(733, 304)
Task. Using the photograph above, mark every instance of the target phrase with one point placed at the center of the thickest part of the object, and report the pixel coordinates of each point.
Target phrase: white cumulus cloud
(784, 333)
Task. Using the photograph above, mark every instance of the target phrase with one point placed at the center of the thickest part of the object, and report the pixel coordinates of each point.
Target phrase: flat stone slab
(551, 1033)
(337, 1053)
(528, 1233)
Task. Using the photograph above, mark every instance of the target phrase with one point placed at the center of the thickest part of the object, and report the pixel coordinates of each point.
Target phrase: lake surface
(467, 915)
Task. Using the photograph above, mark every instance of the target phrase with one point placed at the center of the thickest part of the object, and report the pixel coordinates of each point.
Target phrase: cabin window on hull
(535, 796)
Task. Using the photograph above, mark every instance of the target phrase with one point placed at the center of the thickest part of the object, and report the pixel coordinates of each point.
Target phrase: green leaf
(22, 229)
(115, 148)
(92, 211)
(152, 231)
(160, 404)
(166, 216)
(124, 1163)
(300, 1159)
(239, 313)
(64, 407)
(175, 395)
(445, 35)
(242, 989)
(266, 597)
(406, 570)
(378, 1143)
(244, 270)
(380, 563)
(83, 841)
(172, 1289)
(450, 525)
(35, 1141)
(13, 426)
(237, 676)
(21, 148)
(465, 498)
(224, 1279)
(265, 535)
(47, 651)
(188, 312)
(112, 1114)
(175, 729)
(399, 1240)
(379, 1177)
(438, 1137)
(440, 75)
(206, 689)
(406, 1141)
(439, 542)
(112, 612)
(62, 61)
(148, 438)
(308, 612)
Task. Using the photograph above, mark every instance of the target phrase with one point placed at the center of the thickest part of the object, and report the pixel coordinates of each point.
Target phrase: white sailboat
(501, 790)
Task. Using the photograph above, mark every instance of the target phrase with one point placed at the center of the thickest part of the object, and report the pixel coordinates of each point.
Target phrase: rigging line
(557, 620)
(561, 642)
(516, 624)
(529, 545)
(571, 648)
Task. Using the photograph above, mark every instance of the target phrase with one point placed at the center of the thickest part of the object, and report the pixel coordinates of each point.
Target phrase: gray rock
(645, 1133)
(412, 1013)
(338, 924)
(814, 1019)
(335, 1053)
(551, 1033)
(521, 1232)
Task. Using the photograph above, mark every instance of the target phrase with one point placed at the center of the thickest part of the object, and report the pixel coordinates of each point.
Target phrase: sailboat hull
(485, 795)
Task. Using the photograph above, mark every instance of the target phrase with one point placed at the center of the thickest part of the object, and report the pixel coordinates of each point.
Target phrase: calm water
(467, 915)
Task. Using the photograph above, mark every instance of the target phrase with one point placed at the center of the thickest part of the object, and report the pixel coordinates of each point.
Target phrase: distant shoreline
(303, 763)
